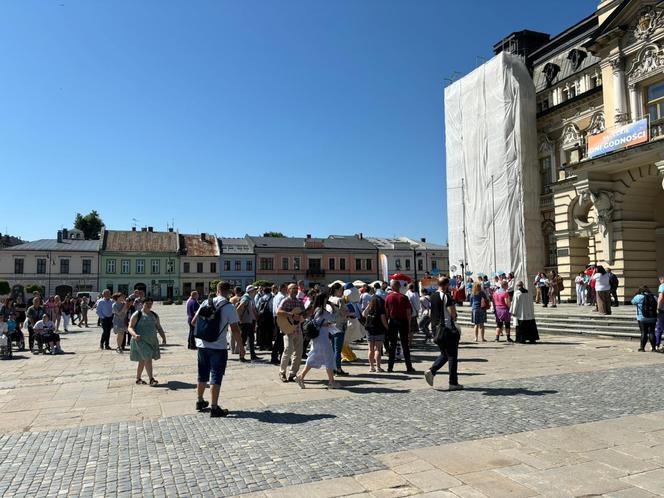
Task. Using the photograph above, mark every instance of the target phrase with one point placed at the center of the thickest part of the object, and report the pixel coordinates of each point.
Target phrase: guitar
(290, 324)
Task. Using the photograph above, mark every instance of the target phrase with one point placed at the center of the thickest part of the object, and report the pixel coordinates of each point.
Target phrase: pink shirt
(499, 298)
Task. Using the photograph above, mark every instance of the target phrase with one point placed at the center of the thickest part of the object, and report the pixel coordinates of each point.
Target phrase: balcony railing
(656, 129)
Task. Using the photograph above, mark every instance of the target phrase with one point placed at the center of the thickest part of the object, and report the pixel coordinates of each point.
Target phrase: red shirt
(397, 306)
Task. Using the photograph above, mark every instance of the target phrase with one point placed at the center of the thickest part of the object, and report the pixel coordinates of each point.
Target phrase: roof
(348, 242)
(72, 245)
(391, 243)
(277, 242)
(135, 241)
(567, 69)
(235, 245)
(199, 245)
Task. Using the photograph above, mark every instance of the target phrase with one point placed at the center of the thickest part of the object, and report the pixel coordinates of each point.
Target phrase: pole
(493, 213)
(463, 204)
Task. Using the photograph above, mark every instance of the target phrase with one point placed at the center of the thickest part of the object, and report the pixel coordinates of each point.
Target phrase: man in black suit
(444, 314)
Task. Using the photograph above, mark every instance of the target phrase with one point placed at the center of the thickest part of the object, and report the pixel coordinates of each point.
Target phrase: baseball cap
(250, 288)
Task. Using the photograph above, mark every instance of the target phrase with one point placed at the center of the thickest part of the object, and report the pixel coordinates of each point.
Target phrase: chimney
(423, 239)
(203, 236)
(59, 235)
(308, 235)
(150, 229)
(133, 229)
(170, 230)
(360, 236)
(65, 234)
(144, 229)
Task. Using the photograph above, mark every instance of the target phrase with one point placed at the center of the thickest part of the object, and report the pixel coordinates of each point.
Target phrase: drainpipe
(377, 264)
(417, 286)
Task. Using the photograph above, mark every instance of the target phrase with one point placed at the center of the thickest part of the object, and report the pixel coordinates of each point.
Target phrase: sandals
(153, 382)
(140, 382)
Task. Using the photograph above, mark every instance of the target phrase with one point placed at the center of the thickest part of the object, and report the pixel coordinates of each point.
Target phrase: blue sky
(302, 116)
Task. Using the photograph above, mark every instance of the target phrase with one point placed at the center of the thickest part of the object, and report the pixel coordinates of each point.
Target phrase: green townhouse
(141, 260)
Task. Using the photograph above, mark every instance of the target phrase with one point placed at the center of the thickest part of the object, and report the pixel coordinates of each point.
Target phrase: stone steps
(569, 319)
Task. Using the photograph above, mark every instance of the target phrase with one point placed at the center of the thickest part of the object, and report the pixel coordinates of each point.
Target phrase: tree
(262, 283)
(4, 287)
(35, 288)
(90, 224)
(277, 235)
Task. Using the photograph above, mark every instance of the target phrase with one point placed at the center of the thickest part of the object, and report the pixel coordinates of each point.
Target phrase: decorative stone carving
(649, 21)
(572, 137)
(617, 64)
(603, 201)
(597, 124)
(576, 57)
(545, 145)
(650, 59)
(550, 72)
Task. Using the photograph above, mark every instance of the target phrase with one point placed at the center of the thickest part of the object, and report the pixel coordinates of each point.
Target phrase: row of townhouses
(170, 265)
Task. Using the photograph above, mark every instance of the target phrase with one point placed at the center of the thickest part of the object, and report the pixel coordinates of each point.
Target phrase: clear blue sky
(302, 116)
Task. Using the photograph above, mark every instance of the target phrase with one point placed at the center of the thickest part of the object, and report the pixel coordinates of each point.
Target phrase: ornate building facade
(602, 82)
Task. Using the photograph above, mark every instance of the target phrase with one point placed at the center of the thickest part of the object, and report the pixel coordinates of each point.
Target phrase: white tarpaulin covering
(491, 133)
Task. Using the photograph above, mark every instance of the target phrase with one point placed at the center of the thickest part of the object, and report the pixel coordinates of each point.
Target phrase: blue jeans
(337, 345)
(212, 361)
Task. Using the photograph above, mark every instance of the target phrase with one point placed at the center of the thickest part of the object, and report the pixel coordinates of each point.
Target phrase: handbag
(484, 303)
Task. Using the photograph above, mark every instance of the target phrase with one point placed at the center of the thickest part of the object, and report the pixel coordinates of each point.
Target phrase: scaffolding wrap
(492, 170)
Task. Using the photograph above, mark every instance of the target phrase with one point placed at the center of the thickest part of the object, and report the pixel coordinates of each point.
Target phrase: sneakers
(455, 387)
(218, 411)
(428, 376)
(411, 370)
(372, 369)
(119, 350)
(333, 385)
(201, 405)
(300, 381)
(282, 377)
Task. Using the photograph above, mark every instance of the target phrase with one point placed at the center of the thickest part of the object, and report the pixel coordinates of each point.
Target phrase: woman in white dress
(321, 354)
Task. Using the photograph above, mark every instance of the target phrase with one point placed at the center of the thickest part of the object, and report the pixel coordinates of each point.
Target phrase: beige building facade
(593, 81)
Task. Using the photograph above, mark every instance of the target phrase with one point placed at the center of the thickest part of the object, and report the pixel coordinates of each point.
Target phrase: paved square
(568, 417)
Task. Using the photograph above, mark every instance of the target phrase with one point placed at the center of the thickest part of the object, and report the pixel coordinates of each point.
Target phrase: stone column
(660, 169)
(634, 107)
(617, 65)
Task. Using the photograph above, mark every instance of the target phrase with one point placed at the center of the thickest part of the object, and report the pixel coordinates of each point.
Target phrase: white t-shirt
(228, 317)
(414, 299)
(276, 302)
(602, 282)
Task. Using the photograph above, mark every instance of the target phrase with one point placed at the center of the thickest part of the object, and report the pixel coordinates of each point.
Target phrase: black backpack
(649, 306)
(208, 323)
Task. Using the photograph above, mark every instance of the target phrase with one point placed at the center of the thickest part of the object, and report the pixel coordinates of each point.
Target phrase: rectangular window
(213, 267)
(250, 265)
(296, 264)
(110, 266)
(656, 101)
(41, 265)
(284, 263)
(407, 264)
(267, 263)
(186, 268)
(368, 264)
(87, 266)
(238, 265)
(358, 264)
(420, 265)
(109, 286)
(170, 266)
(125, 266)
(199, 267)
(140, 266)
(227, 265)
(330, 264)
(18, 265)
(342, 264)
(155, 266)
(397, 264)
(434, 264)
(64, 265)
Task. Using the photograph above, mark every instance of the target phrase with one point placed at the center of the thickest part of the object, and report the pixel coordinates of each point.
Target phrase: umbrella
(359, 283)
(373, 284)
(341, 282)
(402, 277)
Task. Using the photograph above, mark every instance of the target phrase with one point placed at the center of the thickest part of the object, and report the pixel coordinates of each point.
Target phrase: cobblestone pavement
(290, 444)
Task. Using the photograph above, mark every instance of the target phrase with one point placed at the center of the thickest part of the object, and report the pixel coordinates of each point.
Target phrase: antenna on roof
(134, 222)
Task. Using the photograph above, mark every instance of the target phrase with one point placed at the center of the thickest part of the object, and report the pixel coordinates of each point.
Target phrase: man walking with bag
(446, 335)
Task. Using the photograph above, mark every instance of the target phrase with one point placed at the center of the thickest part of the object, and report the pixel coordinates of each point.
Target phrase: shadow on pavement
(175, 385)
(280, 418)
(373, 390)
(473, 360)
(508, 391)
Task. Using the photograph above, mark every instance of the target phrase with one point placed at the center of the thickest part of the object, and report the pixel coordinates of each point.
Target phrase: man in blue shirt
(659, 328)
(105, 314)
(645, 317)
